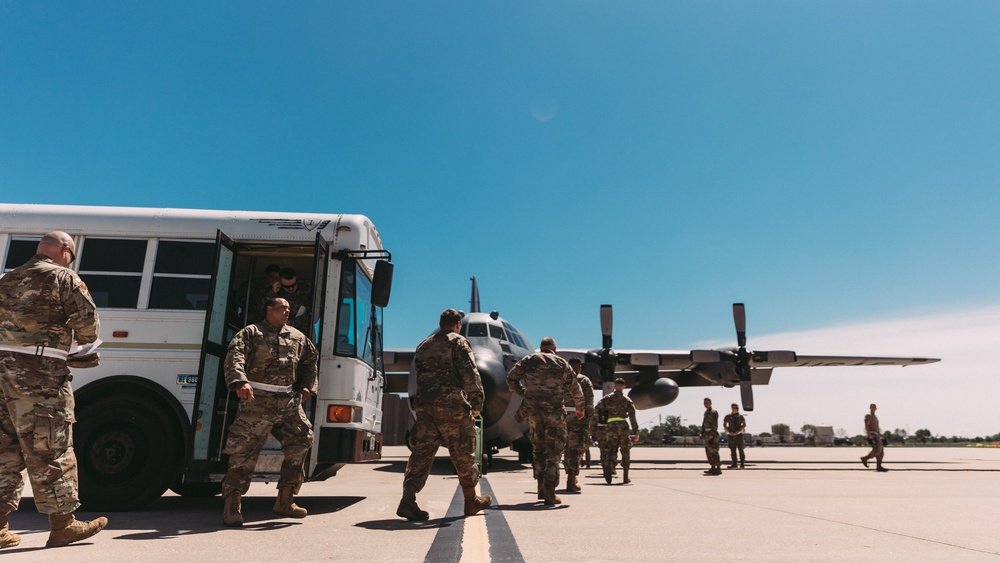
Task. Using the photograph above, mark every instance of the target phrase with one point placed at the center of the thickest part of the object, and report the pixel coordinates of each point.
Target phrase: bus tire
(197, 490)
(128, 450)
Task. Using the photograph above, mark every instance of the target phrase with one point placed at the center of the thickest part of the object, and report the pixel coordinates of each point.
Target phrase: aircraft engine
(659, 393)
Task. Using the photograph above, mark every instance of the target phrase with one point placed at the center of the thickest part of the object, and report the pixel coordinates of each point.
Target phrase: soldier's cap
(575, 361)
(619, 381)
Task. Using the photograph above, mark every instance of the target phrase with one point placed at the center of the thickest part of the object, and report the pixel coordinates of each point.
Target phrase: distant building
(824, 435)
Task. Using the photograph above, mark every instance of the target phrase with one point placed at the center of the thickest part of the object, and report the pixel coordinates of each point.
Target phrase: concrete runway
(789, 504)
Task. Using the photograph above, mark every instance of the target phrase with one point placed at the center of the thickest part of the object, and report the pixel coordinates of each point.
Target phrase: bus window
(477, 330)
(19, 252)
(182, 275)
(355, 333)
(112, 270)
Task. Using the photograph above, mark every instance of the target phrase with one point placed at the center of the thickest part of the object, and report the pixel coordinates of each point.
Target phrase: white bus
(171, 287)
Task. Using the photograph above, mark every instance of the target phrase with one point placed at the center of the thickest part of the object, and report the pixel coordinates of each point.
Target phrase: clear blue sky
(829, 164)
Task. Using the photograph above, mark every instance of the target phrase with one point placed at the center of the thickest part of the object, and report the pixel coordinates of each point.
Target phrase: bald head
(58, 246)
(548, 343)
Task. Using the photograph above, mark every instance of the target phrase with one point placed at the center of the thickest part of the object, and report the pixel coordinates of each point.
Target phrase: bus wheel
(196, 489)
(128, 451)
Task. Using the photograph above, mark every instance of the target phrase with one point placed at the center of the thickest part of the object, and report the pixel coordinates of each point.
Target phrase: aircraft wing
(397, 364)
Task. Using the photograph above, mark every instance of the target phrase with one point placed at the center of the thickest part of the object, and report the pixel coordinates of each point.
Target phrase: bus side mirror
(382, 283)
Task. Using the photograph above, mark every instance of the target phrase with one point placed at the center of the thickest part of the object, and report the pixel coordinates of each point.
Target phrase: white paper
(85, 349)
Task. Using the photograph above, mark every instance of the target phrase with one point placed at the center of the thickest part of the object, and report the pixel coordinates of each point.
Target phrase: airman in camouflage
(546, 382)
(710, 434)
(272, 368)
(735, 424)
(44, 307)
(578, 429)
(619, 411)
(449, 396)
(874, 434)
(299, 297)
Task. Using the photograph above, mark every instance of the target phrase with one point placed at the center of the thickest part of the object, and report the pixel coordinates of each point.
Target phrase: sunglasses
(72, 255)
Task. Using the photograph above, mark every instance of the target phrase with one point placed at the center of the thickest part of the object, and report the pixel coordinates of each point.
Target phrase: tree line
(674, 426)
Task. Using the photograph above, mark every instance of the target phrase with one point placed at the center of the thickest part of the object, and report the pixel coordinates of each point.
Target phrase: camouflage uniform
(448, 390)
(578, 430)
(45, 305)
(262, 355)
(616, 408)
(545, 381)
(877, 452)
(734, 425)
(710, 434)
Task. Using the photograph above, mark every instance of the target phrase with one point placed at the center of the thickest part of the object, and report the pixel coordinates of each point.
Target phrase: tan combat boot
(7, 538)
(541, 489)
(550, 496)
(474, 503)
(232, 515)
(66, 529)
(283, 505)
(571, 483)
(408, 508)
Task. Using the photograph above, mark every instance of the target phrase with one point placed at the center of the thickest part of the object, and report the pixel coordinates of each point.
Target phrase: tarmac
(788, 504)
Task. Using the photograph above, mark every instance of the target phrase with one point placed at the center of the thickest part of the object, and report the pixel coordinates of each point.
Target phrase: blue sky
(832, 165)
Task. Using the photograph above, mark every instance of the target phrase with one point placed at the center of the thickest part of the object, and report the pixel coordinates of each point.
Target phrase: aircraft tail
(474, 301)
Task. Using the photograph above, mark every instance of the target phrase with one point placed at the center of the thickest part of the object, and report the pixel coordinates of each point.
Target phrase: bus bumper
(348, 445)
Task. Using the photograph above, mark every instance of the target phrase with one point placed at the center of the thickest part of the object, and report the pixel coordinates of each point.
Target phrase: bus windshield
(355, 332)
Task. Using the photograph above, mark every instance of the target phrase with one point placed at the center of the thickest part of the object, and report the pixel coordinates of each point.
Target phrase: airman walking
(547, 382)
(619, 411)
(578, 429)
(710, 434)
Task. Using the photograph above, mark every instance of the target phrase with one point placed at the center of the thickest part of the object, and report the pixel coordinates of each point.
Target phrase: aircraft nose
(494, 377)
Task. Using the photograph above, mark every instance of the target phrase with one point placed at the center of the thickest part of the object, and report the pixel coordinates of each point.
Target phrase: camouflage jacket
(545, 381)
(617, 405)
(710, 424)
(271, 356)
(447, 374)
(45, 304)
(588, 400)
(734, 423)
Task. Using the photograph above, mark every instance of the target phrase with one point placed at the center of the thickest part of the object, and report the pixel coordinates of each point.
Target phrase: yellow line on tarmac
(475, 541)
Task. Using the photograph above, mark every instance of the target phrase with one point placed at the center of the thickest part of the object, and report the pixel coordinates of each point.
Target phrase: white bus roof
(343, 231)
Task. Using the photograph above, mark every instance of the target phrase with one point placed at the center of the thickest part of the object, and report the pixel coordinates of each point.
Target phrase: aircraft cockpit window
(497, 332)
(516, 339)
(477, 330)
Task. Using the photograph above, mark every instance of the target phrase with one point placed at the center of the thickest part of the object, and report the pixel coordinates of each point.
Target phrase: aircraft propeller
(607, 357)
(743, 356)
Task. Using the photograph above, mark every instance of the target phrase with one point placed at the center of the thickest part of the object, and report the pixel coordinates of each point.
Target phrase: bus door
(214, 407)
(321, 262)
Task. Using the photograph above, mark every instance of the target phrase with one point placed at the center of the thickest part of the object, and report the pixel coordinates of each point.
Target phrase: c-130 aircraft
(653, 376)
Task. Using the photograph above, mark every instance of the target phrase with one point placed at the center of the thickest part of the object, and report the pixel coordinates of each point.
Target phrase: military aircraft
(653, 376)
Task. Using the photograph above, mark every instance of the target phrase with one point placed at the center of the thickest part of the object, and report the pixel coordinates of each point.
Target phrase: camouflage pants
(36, 420)
(277, 414)
(877, 450)
(617, 437)
(548, 441)
(736, 442)
(577, 442)
(456, 429)
(712, 449)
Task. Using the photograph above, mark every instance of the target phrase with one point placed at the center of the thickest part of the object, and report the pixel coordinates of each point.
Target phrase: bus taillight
(338, 413)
